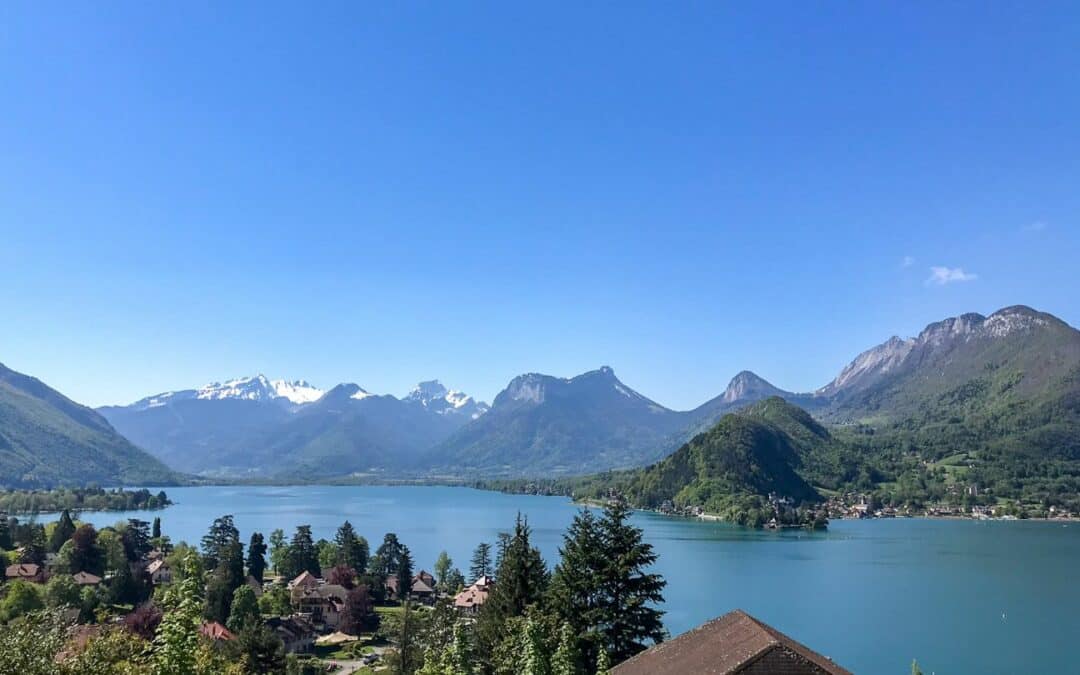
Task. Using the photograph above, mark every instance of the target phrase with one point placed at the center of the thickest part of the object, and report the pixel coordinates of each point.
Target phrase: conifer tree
(629, 594)
(404, 573)
(302, 552)
(521, 581)
(566, 657)
(352, 548)
(62, 532)
(481, 562)
(256, 561)
(576, 586)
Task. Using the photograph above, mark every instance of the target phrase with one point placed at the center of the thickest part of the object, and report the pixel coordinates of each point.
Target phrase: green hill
(731, 468)
(48, 440)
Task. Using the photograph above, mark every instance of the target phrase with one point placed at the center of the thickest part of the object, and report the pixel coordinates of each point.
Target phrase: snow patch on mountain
(440, 400)
(297, 391)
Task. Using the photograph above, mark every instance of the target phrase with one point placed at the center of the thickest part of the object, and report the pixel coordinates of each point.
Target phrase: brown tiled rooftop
(733, 643)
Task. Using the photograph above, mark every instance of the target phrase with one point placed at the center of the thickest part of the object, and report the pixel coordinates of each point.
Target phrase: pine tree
(352, 548)
(521, 581)
(629, 594)
(576, 586)
(481, 562)
(384, 564)
(62, 532)
(155, 529)
(404, 573)
(501, 543)
(217, 541)
(256, 562)
(302, 552)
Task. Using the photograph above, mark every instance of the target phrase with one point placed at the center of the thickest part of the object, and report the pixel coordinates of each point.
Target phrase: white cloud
(940, 276)
(1037, 226)
(907, 261)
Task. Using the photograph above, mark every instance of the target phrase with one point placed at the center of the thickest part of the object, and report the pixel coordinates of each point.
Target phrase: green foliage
(480, 565)
(20, 599)
(302, 554)
(352, 548)
(62, 591)
(51, 441)
(262, 651)
(442, 570)
(275, 601)
(244, 610)
(62, 532)
(256, 561)
(176, 644)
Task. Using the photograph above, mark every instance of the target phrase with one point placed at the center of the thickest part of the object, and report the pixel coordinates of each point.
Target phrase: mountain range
(1001, 390)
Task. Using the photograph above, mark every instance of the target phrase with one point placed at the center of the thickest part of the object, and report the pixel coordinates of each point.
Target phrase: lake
(963, 597)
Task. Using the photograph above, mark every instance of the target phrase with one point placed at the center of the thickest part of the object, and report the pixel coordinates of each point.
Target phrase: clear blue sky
(468, 191)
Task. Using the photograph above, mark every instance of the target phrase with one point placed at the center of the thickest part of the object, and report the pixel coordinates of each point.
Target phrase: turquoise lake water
(962, 597)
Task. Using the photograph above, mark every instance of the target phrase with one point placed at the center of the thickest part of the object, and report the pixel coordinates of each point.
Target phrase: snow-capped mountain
(438, 399)
(255, 388)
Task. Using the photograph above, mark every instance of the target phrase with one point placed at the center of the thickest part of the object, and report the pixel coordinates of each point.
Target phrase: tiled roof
(727, 645)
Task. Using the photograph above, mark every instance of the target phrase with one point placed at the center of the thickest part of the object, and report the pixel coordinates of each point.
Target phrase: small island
(81, 499)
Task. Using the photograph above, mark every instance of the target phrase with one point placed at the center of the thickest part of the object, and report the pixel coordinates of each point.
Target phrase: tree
(275, 601)
(404, 573)
(455, 581)
(256, 562)
(358, 614)
(218, 541)
(408, 656)
(61, 591)
(915, 669)
(342, 575)
(328, 553)
(245, 608)
(21, 599)
(85, 554)
(521, 581)
(262, 650)
(603, 663)
(566, 659)
(629, 594)
(384, 564)
(481, 562)
(352, 548)
(576, 586)
(501, 544)
(177, 641)
(127, 587)
(112, 549)
(533, 659)
(34, 545)
(155, 529)
(62, 532)
(279, 551)
(136, 539)
(442, 570)
(302, 552)
(144, 621)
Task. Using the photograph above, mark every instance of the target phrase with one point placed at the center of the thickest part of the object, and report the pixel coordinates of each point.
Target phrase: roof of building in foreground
(733, 643)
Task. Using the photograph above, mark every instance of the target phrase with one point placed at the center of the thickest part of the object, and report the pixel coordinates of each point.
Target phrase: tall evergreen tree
(302, 552)
(85, 554)
(481, 562)
(577, 586)
(521, 581)
(155, 529)
(501, 544)
(566, 660)
(62, 532)
(279, 550)
(256, 561)
(629, 594)
(404, 573)
(217, 540)
(136, 539)
(384, 564)
(352, 548)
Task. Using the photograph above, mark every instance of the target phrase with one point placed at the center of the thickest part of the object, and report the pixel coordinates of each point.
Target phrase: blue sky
(468, 191)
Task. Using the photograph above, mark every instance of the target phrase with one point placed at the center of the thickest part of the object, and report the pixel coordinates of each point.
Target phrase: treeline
(81, 499)
(596, 608)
